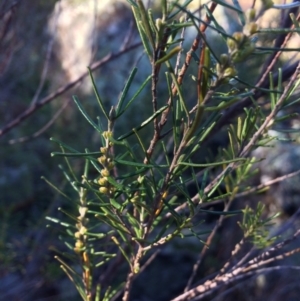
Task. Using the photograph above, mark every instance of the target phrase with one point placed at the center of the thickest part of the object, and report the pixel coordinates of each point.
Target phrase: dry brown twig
(183, 70)
(61, 90)
(246, 150)
(44, 128)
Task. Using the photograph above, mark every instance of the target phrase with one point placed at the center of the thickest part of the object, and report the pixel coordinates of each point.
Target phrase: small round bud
(158, 23)
(103, 150)
(104, 172)
(112, 190)
(224, 59)
(253, 28)
(134, 199)
(107, 134)
(110, 165)
(229, 72)
(239, 37)
(219, 69)
(231, 44)
(83, 230)
(141, 179)
(182, 19)
(77, 234)
(250, 14)
(79, 244)
(136, 269)
(102, 181)
(102, 160)
(267, 4)
(103, 190)
(242, 54)
(250, 28)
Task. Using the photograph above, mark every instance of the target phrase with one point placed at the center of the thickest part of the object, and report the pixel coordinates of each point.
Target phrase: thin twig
(203, 290)
(246, 150)
(32, 109)
(206, 246)
(142, 269)
(47, 59)
(43, 129)
(280, 42)
(136, 258)
(267, 184)
(164, 189)
(180, 77)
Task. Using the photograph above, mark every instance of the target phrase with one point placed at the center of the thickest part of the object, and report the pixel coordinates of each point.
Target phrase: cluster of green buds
(81, 238)
(80, 235)
(225, 69)
(107, 163)
(240, 46)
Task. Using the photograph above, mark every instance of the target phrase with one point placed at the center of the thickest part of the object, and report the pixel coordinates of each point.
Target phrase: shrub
(142, 198)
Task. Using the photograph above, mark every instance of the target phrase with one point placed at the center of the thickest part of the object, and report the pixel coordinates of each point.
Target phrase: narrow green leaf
(63, 145)
(135, 95)
(279, 84)
(239, 129)
(115, 183)
(115, 203)
(144, 38)
(99, 99)
(164, 8)
(69, 179)
(57, 189)
(143, 124)
(181, 7)
(71, 216)
(246, 124)
(74, 277)
(223, 105)
(98, 292)
(225, 4)
(286, 117)
(224, 97)
(221, 180)
(215, 22)
(207, 130)
(57, 221)
(136, 164)
(219, 197)
(272, 95)
(179, 91)
(115, 240)
(87, 117)
(207, 43)
(131, 2)
(239, 12)
(154, 30)
(144, 19)
(125, 91)
(77, 154)
(231, 141)
(134, 223)
(174, 51)
(221, 212)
